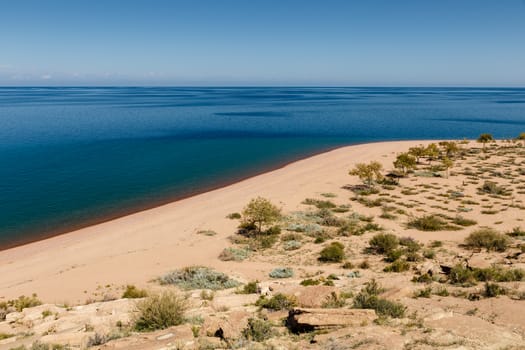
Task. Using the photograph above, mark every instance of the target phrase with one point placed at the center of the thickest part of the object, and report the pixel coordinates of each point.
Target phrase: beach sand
(139, 247)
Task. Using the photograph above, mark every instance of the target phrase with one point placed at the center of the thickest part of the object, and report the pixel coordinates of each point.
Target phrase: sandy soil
(139, 247)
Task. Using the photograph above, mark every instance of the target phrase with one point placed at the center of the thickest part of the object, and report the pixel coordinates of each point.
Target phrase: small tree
(484, 138)
(431, 152)
(450, 148)
(368, 173)
(405, 162)
(418, 152)
(260, 212)
(447, 164)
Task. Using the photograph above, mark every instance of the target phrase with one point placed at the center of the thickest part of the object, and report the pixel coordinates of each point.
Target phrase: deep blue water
(74, 156)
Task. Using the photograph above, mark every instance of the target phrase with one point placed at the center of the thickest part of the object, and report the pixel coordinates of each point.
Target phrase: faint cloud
(5, 66)
(46, 76)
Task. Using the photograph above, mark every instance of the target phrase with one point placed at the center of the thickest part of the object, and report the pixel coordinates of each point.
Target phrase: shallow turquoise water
(74, 156)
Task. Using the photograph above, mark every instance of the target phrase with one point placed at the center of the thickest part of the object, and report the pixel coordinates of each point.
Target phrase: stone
(307, 320)
(227, 326)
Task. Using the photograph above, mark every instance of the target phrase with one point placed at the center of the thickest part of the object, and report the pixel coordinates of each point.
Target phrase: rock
(72, 339)
(429, 267)
(228, 326)
(307, 320)
(13, 317)
(479, 261)
(315, 296)
(165, 336)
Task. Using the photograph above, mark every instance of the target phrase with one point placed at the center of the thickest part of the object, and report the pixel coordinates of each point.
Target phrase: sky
(263, 42)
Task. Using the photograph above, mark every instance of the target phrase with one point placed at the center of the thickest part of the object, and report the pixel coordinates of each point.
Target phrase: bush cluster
(278, 302)
(369, 298)
(199, 277)
(132, 292)
(487, 238)
(332, 253)
(160, 311)
(383, 243)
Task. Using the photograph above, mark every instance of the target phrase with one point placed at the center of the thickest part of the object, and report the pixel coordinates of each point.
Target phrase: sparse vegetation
(369, 298)
(332, 253)
(383, 243)
(278, 302)
(258, 330)
(199, 277)
(281, 272)
(487, 238)
(234, 254)
(132, 292)
(160, 311)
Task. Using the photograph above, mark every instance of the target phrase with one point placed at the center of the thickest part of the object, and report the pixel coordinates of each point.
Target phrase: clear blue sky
(262, 42)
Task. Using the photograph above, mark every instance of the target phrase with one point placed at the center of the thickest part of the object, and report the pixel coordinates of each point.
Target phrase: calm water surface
(75, 156)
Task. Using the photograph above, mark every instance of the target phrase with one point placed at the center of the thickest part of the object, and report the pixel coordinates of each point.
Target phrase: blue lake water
(70, 157)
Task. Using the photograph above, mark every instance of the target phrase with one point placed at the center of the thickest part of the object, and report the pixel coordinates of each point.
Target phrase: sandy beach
(139, 247)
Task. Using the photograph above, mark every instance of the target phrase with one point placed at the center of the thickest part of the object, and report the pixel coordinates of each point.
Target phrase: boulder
(228, 326)
(307, 320)
(479, 261)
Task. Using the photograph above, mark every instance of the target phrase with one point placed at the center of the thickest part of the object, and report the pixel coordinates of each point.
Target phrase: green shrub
(460, 275)
(424, 278)
(332, 253)
(278, 302)
(493, 290)
(351, 228)
(233, 216)
(364, 264)
(410, 244)
(5, 336)
(234, 254)
(436, 244)
(487, 238)
(461, 221)
(249, 288)
(310, 282)
(383, 243)
(442, 292)
(334, 301)
(281, 272)
(160, 311)
(207, 232)
(291, 236)
(397, 266)
(24, 302)
(498, 274)
(292, 245)
(199, 277)
(258, 330)
(132, 292)
(429, 223)
(516, 232)
(429, 254)
(348, 265)
(320, 204)
(394, 255)
(423, 293)
(368, 299)
(491, 187)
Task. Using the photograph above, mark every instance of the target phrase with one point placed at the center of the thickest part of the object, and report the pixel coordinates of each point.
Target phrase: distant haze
(263, 42)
